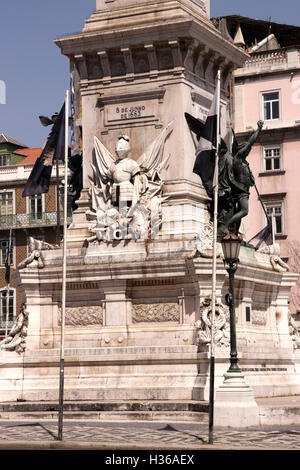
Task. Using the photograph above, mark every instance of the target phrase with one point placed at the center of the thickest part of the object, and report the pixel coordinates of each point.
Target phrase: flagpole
(57, 203)
(273, 226)
(64, 277)
(214, 270)
(8, 283)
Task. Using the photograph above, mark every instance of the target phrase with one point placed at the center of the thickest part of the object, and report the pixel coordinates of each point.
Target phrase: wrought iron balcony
(45, 219)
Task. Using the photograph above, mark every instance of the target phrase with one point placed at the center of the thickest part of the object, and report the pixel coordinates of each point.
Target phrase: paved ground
(145, 435)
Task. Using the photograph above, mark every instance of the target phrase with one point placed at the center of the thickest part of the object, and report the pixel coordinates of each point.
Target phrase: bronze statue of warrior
(235, 179)
(241, 178)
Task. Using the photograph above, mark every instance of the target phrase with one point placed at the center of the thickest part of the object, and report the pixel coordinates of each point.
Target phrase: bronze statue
(236, 178)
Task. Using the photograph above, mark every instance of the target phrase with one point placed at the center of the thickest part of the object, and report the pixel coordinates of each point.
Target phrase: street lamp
(231, 245)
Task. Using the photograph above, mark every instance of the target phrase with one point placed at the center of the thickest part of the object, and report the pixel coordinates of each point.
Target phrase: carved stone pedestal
(235, 405)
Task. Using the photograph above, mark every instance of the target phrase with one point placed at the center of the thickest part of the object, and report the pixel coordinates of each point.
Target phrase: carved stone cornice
(214, 62)
(81, 65)
(128, 63)
(190, 59)
(205, 53)
(152, 57)
(177, 56)
(103, 56)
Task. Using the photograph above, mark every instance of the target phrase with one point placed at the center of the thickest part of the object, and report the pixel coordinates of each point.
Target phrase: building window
(3, 251)
(36, 207)
(275, 210)
(271, 105)
(7, 305)
(6, 203)
(272, 158)
(4, 160)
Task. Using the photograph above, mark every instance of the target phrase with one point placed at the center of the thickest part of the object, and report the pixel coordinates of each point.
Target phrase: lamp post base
(235, 405)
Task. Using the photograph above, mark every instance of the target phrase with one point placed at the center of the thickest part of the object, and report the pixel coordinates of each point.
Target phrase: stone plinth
(130, 326)
(235, 405)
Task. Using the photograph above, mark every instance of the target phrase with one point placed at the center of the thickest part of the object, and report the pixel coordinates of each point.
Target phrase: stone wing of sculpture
(152, 161)
(104, 159)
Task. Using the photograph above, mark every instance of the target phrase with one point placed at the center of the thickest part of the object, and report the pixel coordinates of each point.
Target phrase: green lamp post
(231, 245)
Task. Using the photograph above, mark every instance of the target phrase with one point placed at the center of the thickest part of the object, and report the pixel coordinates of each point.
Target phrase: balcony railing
(32, 220)
(277, 58)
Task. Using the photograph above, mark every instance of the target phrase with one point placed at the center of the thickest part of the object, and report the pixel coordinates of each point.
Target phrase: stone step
(192, 411)
(105, 416)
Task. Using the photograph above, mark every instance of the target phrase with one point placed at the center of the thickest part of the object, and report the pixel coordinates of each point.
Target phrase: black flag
(265, 235)
(8, 262)
(39, 179)
(206, 150)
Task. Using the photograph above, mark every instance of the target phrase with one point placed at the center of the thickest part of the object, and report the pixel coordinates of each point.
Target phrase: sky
(34, 73)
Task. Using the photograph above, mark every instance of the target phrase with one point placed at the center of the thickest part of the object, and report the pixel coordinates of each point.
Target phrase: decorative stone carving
(126, 195)
(222, 333)
(82, 316)
(274, 251)
(35, 248)
(293, 330)
(151, 313)
(204, 244)
(16, 339)
(259, 317)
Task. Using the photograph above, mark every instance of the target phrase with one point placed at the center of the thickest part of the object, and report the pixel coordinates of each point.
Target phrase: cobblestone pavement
(144, 433)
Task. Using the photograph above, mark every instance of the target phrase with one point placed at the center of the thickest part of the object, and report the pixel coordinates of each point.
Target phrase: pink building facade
(268, 88)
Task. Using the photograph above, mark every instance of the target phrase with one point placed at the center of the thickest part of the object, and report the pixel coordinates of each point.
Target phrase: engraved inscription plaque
(131, 112)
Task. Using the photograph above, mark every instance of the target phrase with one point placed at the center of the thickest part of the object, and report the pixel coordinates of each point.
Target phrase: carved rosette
(203, 245)
(155, 313)
(222, 332)
(82, 316)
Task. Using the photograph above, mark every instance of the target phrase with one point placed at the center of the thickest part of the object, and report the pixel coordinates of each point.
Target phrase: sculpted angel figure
(123, 182)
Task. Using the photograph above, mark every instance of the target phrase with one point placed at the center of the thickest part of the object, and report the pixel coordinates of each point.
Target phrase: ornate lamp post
(231, 245)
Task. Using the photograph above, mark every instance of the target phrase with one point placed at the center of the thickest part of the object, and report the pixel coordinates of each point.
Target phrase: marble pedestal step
(192, 411)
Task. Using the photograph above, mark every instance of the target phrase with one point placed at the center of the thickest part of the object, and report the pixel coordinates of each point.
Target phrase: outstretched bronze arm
(246, 149)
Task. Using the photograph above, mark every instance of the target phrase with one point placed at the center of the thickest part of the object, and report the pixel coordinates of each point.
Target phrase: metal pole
(64, 277)
(263, 206)
(8, 284)
(7, 310)
(273, 226)
(231, 302)
(57, 203)
(214, 273)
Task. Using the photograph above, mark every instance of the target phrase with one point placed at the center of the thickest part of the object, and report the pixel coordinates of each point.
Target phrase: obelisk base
(235, 405)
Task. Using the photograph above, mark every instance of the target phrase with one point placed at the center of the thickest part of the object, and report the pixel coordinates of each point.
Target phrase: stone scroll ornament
(16, 339)
(126, 194)
(276, 262)
(35, 248)
(222, 333)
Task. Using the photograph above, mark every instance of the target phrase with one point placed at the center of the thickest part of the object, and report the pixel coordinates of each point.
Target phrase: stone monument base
(235, 405)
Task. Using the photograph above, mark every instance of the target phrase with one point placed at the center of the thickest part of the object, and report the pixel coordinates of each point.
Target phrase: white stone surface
(235, 405)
